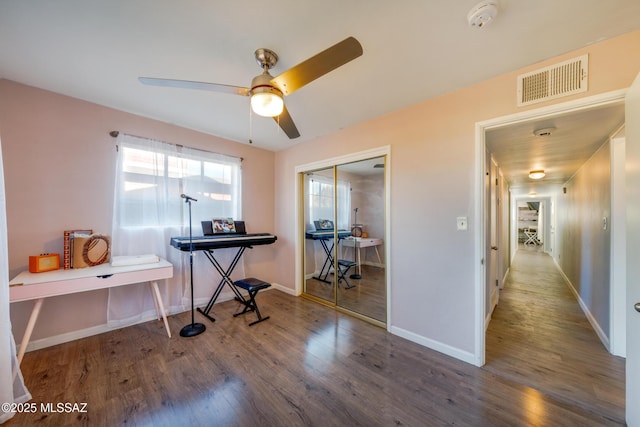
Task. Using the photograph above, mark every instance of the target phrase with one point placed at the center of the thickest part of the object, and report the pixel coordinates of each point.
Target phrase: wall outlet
(462, 223)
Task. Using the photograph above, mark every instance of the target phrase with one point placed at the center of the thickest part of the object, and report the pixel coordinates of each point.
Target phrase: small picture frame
(223, 225)
(323, 224)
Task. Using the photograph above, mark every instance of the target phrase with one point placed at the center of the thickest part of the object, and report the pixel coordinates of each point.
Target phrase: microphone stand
(192, 329)
(356, 259)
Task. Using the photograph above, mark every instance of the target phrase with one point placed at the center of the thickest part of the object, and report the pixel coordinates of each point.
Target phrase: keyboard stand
(226, 278)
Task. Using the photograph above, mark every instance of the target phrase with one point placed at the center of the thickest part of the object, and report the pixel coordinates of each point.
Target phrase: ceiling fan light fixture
(537, 174)
(266, 101)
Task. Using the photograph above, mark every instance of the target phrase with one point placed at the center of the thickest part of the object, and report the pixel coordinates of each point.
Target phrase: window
(320, 200)
(153, 177)
(148, 211)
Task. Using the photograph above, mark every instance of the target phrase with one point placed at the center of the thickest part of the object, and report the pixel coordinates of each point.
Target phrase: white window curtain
(148, 210)
(320, 200)
(12, 388)
(320, 203)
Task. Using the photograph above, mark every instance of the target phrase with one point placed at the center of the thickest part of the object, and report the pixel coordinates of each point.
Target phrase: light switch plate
(462, 223)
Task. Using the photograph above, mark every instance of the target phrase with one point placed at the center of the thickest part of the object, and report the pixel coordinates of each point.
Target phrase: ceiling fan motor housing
(266, 58)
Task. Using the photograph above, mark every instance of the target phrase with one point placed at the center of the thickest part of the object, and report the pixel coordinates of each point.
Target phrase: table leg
(155, 302)
(160, 304)
(27, 332)
(378, 254)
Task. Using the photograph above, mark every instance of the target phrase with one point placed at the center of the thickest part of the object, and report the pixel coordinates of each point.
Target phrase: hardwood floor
(306, 365)
(539, 337)
(367, 295)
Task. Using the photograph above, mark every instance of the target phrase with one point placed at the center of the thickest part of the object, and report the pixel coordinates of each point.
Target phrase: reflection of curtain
(12, 388)
(148, 211)
(320, 201)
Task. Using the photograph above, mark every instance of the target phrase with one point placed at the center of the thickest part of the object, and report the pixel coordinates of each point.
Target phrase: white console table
(38, 286)
(362, 242)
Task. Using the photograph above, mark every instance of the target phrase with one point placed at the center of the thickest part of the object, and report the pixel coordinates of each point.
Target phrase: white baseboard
(435, 345)
(145, 317)
(284, 289)
(487, 320)
(592, 320)
(83, 333)
(504, 278)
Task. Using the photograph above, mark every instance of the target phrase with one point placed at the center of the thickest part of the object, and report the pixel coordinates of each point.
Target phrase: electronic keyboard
(219, 241)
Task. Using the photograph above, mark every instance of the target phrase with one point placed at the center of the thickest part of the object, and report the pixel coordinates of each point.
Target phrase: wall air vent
(555, 81)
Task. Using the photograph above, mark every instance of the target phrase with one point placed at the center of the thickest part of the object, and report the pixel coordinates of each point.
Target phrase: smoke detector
(482, 13)
(544, 131)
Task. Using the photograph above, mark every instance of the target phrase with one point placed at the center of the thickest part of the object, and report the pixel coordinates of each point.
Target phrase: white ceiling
(574, 138)
(413, 50)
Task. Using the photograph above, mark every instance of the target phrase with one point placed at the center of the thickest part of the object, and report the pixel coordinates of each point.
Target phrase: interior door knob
(637, 307)
(495, 248)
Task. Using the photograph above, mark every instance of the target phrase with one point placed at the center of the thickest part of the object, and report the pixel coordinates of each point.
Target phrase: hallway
(539, 337)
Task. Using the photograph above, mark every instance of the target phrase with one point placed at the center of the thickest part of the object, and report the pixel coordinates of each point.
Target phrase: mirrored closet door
(344, 217)
(319, 211)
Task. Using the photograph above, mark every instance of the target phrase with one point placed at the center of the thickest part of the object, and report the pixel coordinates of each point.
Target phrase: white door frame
(480, 202)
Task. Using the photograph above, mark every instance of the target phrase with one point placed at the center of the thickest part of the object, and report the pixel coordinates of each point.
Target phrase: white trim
(299, 235)
(455, 352)
(552, 110)
(479, 259)
(618, 270)
(148, 316)
(284, 289)
(480, 128)
(585, 309)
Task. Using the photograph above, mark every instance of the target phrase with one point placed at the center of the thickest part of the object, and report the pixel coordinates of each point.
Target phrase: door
(344, 211)
(633, 250)
(362, 274)
(319, 246)
(493, 223)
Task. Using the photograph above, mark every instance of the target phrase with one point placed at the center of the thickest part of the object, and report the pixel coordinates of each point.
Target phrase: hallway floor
(539, 337)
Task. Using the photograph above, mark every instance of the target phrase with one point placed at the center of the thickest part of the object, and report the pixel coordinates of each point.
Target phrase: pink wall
(433, 180)
(58, 162)
(59, 174)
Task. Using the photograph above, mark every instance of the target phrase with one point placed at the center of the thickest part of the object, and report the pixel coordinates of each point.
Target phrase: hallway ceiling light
(537, 174)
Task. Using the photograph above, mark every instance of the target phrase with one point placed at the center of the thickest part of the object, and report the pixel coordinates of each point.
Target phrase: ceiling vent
(555, 81)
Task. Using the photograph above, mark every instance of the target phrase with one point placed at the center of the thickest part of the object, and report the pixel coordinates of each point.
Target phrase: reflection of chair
(343, 268)
(532, 237)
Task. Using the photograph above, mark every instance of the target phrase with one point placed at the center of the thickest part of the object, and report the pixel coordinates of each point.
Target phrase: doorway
(343, 227)
(539, 213)
(542, 116)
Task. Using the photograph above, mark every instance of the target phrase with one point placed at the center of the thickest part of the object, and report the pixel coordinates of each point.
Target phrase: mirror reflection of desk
(361, 242)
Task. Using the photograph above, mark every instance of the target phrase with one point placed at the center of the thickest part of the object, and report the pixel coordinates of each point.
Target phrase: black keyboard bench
(252, 285)
(343, 268)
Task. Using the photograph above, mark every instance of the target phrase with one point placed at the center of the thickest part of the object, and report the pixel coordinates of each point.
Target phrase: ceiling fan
(267, 92)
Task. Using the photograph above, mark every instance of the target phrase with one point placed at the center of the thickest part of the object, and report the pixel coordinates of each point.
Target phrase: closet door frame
(300, 172)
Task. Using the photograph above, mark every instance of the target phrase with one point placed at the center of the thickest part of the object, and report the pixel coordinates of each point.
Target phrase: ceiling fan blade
(186, 84)
(285, 122)
(318, 65)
